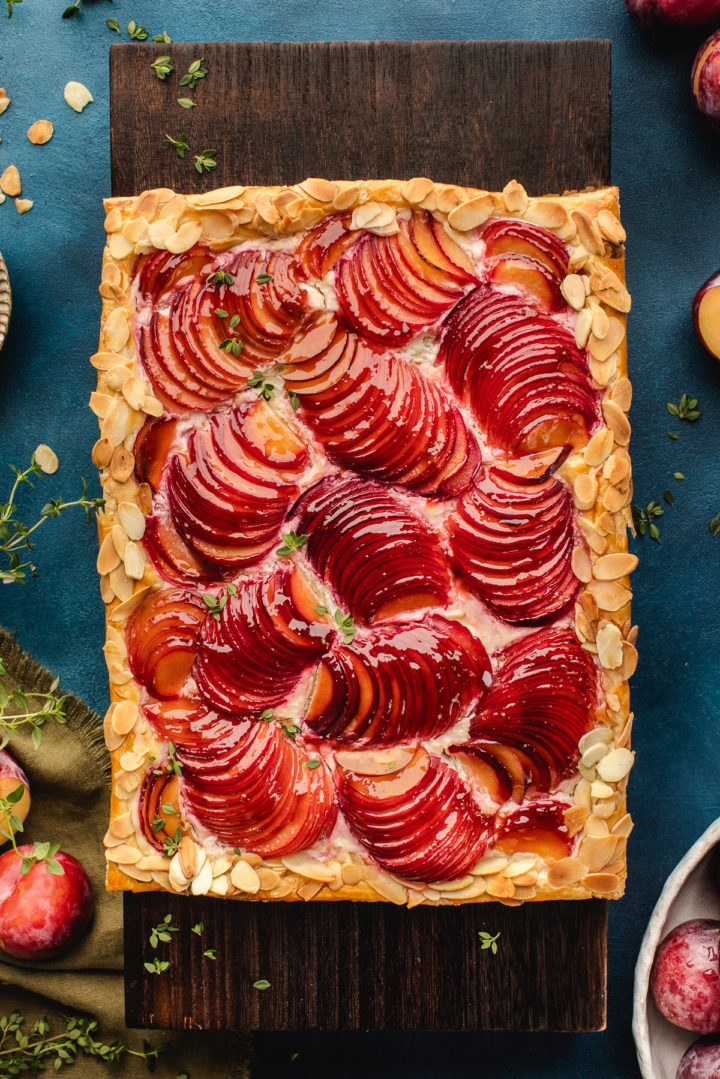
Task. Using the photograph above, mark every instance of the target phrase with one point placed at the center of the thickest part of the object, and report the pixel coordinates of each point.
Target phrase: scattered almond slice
(40, 132)
(47, 459)
(4, 100)
(77, 96)
(24, 206)
(10, 181)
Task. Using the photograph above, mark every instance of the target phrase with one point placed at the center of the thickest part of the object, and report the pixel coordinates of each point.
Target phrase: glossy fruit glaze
(354, 558)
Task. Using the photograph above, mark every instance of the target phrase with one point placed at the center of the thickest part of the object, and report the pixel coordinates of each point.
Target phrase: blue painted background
(668, 169)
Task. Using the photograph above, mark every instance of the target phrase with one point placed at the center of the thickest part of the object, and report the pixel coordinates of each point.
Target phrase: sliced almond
(617, 421)
(601, 883)
(588, 232)
(472, 213)
(132, 520)
(244, 877)
(347, 197)
(24, 206)
(10, 181)
(564, 872)
(185, 237)
(309, 890)
(585, 489)
(609, 595)
(500, 887)
(595, 825)
(417, 189)
(621, 393)
(602, 348)
(203, 880)
(599, 447)
(548, 213)
(386, 886)
(623, 827)
(124, 854)
(107, 558)
(575, 818)
(580, 563)
(609, 645)
(134, 562)
(616, 765)
(77, 96)
(46, 459)
(596, 851)
(306, 867)
(152, 406)
(573, 289)
(319, 189)
(610, 227)
(40, 132)
(515, 198)
(612, 567)
(122, 465)
(630, 660)
(351, 873)
(583, 326)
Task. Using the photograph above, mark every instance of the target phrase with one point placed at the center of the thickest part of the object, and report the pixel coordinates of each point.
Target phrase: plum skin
(701, 1061)
(685, 978)
(707, 321)
(705, 79)
(42, 914)
(11, 776)
(673, 12)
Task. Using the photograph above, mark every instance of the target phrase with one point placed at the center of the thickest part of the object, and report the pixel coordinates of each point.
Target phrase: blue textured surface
(667, 167)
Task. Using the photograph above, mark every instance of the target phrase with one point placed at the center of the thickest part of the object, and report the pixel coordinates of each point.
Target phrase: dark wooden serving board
(475, 113)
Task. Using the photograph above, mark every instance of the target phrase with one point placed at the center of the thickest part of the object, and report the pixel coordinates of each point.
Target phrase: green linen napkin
(70, 784)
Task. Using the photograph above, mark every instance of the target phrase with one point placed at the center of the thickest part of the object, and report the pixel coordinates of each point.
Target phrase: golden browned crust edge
(600, 475)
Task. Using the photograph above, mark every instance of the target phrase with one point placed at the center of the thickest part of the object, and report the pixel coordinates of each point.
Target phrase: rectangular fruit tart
(364, 452)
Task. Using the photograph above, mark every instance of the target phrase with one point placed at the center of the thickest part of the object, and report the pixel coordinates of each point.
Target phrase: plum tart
(363, 554)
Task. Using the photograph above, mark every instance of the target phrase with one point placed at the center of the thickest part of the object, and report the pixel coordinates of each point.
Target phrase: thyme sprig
(162, 932)
(162, 66)
(715, 525)
(206, 160)
(195, 72)
(9, 4)
(686, 409)
(644, 519)
(34, 710)
(180, 144)
(488, 942)
(12, 824)
(257, 381)
(24, 1050)
(15, 535)
(291, 542)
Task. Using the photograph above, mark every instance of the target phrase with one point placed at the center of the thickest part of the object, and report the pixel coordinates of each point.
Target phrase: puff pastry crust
(537, 831)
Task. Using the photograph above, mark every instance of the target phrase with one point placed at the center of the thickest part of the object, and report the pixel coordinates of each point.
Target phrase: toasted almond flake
(116, 329)
(609, 645)
(24, 206)
(178, 880)
(77, 96)
(601, 883)
(500, 887)
(122, 585)
(116, 377)
(124, 717)
(220, 885)
(623, 827)
(602, 348)
(159, 232)
(10, 181)
(593, 754)
(595, 825)
(599, 447)
(470, 891)
(285, 887)
(386, 886)
(610, 227)
(113, 223)
(595, 851)
(600, 322)
(609, 595)
(452, 885)
(136, 231)
(319, 189)
(630, 660)
(4, 100)
(617, 421)
(188, 857)
(519, 867)
(573, 289)
(152, 406)
(268, 879)
(580, 563)
(100, 403)
(611, 567)
(575, 818)
(116, 421)
(489, 864)
(548, 213)
(132, 520)
(447, 198)
(309, 889)
(583, 325)
(146, 205)
(472, 213)
(351, 873)
(122, 826)
(244, 877)
(217, 225)
(581, 794)
(122, 465)
(588, 232)
(123, 855)
(584, 627)
(124, 609)
(585, 489)
(417, 189)
(202, 882)
(621, 393)
(306, 867)
(252, 859)
(215, 198)
(134, 561)
(616, 468)
(414, 899)
(614, 499)
(347, 197)
(525, 880)
(616, 765)
(130, 761)
(106, 591)
(564, 872)
(46, 459)
(364, 215)
(515, 198)
(185, 237)
(580, 259)
(600, 790)
(153, 862)
(105, 361)
(107, 558)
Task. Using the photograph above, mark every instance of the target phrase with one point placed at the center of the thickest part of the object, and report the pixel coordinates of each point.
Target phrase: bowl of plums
(676, 1020)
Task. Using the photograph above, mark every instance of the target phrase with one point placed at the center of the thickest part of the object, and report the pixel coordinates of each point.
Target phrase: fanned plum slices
(162, 636)
(379, 416)
(390, 288)
(397, 684)
(380, 560)
(252, 656)
(202, 337)
(322, 245)
(512, 538)
(528, 258)
(229, 495)
(158, 808)
(418, 820)
(259, 794)
(521, 373)
(189, 724)
(539, 829)
(525, 737)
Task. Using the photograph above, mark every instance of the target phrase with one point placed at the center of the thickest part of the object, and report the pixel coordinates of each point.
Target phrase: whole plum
(685, 978)
(45, 910)
(701, 1061)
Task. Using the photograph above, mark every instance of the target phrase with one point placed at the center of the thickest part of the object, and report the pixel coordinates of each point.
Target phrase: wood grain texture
(362, 966)
(476, 113)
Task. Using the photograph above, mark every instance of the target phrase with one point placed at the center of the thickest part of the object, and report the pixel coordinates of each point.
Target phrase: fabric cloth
(70, 783)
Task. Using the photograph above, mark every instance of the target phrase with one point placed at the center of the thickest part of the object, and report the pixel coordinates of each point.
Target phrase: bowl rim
(652, 937)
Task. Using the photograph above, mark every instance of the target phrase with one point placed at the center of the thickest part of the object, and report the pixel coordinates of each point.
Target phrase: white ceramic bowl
(689, 892)
(5, 301)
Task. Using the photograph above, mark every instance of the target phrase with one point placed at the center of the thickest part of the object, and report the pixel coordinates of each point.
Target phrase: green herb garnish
(137, 33)
(291, 542)
(163, 931)
(206, 160)
(195, 72)
(346, 625)
(488, 942)
(180, 144)
(162, 66)
(686, 410)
